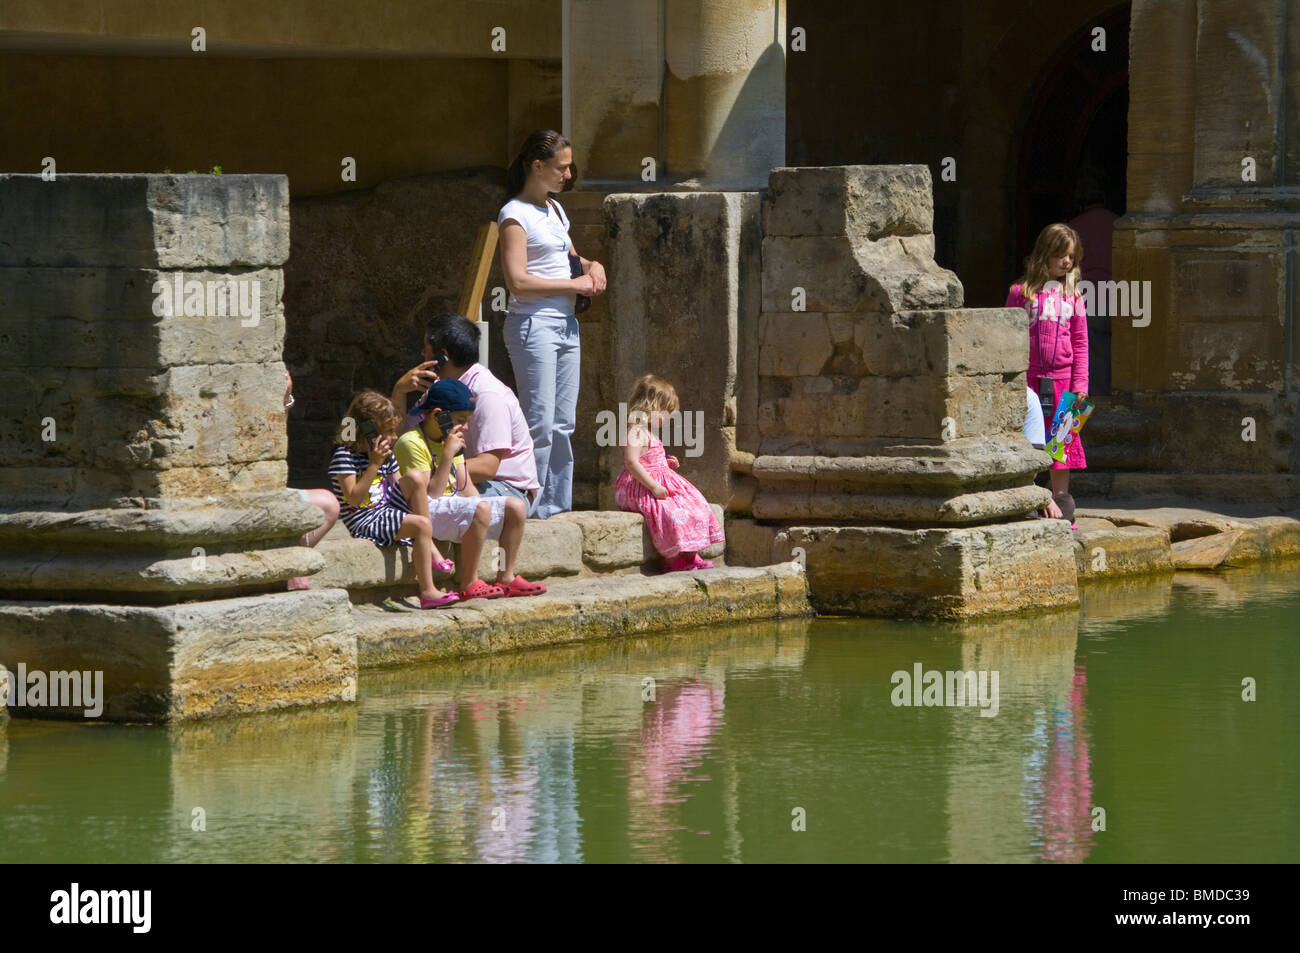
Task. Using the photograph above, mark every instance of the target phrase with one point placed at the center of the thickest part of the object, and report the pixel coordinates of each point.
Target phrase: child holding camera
(435, 480)
(363, 475)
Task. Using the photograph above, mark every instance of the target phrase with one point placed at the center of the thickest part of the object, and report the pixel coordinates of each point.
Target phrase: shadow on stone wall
(358, 265)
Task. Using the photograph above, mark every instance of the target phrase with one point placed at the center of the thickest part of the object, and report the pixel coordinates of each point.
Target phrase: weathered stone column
(684, 293)
(1205, 396)
(890, 413)
(145, 528)
(699, 87)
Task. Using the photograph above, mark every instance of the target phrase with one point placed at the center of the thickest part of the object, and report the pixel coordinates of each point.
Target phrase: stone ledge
(955, 573)
(1106, 553)
(589, 543)
(99, 575)
(580, 610)
(1204, 539)
(193, 660)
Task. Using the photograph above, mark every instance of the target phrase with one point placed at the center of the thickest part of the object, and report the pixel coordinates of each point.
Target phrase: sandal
(444, 566)
(519, 586)
(439, 602)
(701, 563)
(479, 589)
(681, 563)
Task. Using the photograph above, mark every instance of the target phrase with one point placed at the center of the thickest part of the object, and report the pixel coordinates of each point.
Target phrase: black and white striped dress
(379, 520)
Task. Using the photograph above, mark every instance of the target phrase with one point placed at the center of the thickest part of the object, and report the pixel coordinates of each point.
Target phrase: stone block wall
(145, 528)
(879, 398)
(683, 304)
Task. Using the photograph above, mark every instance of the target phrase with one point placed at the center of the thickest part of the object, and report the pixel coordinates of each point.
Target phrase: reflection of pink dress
(683, 521)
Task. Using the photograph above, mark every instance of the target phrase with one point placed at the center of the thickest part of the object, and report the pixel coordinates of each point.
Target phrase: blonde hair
(368, 405)
(650, 394)
(1052, 243)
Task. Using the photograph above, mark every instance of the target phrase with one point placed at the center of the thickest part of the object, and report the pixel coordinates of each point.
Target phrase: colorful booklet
(1071, 414)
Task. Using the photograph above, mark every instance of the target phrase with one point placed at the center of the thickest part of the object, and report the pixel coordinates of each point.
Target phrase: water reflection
(699, 746)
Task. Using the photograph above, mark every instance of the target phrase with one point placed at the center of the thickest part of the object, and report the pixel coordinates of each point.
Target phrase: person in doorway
(1095, 225)
(541, 329)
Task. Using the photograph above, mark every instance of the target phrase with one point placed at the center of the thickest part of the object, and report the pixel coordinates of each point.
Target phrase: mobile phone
(1047, 397)
(445, 423)
(370, 430)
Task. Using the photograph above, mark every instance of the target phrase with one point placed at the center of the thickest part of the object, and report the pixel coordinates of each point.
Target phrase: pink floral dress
(683, 521)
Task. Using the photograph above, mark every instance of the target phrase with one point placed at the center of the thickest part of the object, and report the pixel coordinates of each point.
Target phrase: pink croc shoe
(701, 563)
(479, 589)
(440, 602)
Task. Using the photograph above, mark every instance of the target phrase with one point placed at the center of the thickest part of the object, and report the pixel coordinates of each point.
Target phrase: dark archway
(1074, 131)
(1075, 123)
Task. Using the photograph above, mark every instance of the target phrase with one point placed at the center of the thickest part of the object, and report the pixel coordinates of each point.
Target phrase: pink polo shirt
(498, 424)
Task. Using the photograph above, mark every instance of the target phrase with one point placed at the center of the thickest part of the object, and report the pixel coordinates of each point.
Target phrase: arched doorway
(1074, 133)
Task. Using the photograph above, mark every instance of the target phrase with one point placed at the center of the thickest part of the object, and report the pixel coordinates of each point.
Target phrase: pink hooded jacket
(1058, 336)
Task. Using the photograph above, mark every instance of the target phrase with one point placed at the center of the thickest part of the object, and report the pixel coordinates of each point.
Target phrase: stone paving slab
(580, 610)
(1107, 551)
(1206, 538)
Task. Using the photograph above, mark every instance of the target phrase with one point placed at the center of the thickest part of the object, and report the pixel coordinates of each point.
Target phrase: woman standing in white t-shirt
(541, 331)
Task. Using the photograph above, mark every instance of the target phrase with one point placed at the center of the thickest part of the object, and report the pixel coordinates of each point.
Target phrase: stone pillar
(1206, 400)
(698, 87)
(891, 413)
(724, 91)
(684, 287)
(145, 527)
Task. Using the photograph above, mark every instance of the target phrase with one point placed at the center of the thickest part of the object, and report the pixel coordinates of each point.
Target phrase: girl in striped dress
(364, 477)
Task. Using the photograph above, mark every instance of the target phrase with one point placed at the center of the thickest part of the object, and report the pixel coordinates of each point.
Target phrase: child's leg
(512, 534)
(1060, 481)
(328, 503)
(414, 486)
(471, 545)
(416, 529)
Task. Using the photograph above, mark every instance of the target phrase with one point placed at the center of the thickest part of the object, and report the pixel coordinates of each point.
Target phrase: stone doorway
(1074, 129)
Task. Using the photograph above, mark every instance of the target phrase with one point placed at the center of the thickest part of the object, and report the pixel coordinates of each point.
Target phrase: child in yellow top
(436, 482)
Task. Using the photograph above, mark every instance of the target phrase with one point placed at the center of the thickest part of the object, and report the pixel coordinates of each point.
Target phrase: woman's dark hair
(455, 334)
(543, 144)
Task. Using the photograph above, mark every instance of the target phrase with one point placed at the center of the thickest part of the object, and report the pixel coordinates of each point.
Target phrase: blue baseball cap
(450, 395)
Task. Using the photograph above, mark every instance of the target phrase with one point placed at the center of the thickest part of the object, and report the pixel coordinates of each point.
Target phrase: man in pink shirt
(498, 447)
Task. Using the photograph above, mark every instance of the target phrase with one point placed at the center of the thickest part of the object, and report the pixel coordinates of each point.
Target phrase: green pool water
(1132, 705)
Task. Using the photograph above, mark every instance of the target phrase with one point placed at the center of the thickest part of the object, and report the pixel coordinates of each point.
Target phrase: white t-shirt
(1033, 428)
(547, 231)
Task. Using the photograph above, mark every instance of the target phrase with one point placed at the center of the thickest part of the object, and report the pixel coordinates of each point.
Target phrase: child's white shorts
(451, 515)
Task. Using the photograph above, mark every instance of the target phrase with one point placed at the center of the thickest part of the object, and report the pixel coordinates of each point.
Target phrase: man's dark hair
(455, 334)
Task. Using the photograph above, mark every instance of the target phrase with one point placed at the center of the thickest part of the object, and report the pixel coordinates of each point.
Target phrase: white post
(482, 337)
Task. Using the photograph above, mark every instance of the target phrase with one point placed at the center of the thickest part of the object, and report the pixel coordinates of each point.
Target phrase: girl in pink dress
(1058, 330)
(680, 520)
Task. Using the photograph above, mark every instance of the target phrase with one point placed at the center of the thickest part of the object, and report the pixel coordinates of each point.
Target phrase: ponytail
(543, 145)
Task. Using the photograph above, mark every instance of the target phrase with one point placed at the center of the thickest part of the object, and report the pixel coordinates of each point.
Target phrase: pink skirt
(1074, 458)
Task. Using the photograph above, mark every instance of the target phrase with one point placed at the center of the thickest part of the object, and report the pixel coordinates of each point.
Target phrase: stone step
(1104, 551)
(567, 546)
(579, 610)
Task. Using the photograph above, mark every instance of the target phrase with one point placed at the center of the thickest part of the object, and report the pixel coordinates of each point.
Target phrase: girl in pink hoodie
(1058, 329)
